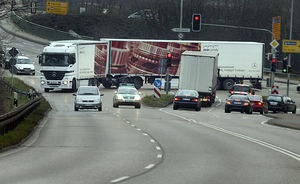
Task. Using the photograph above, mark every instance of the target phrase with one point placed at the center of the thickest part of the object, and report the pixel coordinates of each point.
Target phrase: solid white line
(158, 148)
(119, 179)
(149, 166)
(250, 139)
(159, 156)
(152, 140)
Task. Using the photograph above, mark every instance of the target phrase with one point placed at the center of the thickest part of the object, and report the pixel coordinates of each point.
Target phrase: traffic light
(196, 22)
(284, 66)
(273, 66)
(289, 70)
(169, 60)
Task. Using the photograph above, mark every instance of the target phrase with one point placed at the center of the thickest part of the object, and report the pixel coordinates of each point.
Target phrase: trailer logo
(53, 74)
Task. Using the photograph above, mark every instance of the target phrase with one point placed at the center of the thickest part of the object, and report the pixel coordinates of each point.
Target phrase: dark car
(187, 99)
(298, 87)
(241, 89)
(240, 103)
(258, 104)
(281, 103)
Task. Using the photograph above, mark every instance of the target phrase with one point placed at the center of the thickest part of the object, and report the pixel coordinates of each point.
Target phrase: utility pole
(181, 10)
(289, 59)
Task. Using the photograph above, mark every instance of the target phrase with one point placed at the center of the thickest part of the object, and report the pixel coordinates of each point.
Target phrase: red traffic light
(169, 55)
(273, 60)
(196, 18)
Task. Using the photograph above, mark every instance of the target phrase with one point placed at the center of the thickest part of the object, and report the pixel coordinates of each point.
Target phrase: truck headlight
(42, 82)
(65, 82)
(137, 98)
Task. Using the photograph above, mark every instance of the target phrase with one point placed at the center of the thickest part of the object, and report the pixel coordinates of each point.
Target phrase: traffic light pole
(289, 59)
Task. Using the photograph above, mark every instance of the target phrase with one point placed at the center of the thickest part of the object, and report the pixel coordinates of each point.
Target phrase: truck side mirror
(40, 58)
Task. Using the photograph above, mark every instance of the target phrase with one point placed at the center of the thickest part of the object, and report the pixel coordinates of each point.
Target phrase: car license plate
(237, 102)
(273, 103)
(186, 99)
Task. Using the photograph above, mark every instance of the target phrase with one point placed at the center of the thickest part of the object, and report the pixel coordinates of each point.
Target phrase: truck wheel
(228, 84)
(74, 85)
(138, 82)
(107, 84)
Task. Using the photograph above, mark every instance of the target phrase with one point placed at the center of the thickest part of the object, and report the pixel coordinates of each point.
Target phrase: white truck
(65, 64)
(113, 61)
(199, 71)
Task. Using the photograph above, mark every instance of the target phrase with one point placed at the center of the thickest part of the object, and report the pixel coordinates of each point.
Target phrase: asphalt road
(150, 145)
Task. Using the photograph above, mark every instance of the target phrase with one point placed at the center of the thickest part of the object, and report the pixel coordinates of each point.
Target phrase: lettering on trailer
(275, 90)
(157, 92)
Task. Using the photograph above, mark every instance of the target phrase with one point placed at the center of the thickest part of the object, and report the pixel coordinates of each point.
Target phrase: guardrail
(43, 31)
(9, 120)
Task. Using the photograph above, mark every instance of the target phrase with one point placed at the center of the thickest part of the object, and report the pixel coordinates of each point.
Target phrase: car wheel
(138, 106)
(261, 111)
(33, 73)
(75, 108)
(198, 108)
(294, 111)
(100, 108)
(175, 107)
(117, 105)
(227, 111)
(285, 110)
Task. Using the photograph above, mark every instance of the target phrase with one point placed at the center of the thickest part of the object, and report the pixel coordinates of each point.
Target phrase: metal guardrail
(43, 31)
(9, 120)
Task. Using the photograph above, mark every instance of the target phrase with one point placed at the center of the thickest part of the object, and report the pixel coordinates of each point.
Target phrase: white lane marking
(152, 140)
(149, 166)
(159, 156)
(158, 148)
(145, 134)
(133, 125)
(250, 139)
(264, 122)
(138, 129)
(119, 179)
(128, 122)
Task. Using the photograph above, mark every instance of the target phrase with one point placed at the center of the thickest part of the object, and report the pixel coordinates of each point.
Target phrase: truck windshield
(55, 60)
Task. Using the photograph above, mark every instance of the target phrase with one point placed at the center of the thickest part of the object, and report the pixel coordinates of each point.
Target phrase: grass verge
(163, 101)
(25, 127)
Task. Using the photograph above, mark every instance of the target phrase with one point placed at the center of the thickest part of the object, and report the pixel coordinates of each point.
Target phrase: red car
(258, 104)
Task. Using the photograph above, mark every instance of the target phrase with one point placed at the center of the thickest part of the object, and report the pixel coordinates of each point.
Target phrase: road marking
(145, 134)
(247, 138)
(128, 122)
(138, 129)
(159, 156)
(149, 166)
(158, 148)
(119, 179)
(133, 125)
(152, 140)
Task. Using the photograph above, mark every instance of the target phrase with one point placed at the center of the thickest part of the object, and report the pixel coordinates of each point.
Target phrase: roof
(200, 53)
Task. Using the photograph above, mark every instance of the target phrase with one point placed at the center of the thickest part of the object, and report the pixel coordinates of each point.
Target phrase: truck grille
(54, 75)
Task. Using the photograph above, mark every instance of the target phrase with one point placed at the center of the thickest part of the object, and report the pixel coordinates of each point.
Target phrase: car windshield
(186, 93)
(274, 98)
(241, 88)
(49, 59)
(23, 61)
(241, 97)
(87, 91)
(131, 91)
(255, 98)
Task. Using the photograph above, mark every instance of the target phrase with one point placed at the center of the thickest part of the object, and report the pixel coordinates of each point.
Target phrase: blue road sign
(157, 83)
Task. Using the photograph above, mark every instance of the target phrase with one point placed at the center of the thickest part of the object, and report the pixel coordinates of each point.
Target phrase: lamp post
(289, 59)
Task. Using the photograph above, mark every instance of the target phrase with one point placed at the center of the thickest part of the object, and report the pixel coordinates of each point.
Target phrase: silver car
(127, 96)
(88, 97)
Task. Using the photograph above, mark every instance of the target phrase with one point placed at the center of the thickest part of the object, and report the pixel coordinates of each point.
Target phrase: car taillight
(207, 97)
(195, 100)
(232, 92)
(259, 103)
(250, 93)
(246, 103)
(176, 99)
(228, 102)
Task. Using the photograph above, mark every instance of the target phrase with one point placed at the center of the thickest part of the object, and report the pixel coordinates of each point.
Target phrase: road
(150, 145)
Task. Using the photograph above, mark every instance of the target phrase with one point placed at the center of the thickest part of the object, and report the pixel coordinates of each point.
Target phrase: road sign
(291, 46)
(180, 36)
(275, 90)
(13, 52)
(276, 24)
(33, 7)
(157, 83)
(157, 92)
(181, 30)
(54, 7)
(274, 44)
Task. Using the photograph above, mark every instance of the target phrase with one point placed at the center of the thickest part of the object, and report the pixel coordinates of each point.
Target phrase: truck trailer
(199, 71)
(113, 61)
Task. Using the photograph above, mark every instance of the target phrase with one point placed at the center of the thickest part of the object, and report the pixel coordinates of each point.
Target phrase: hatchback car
(258, 104)
(187, 99)
(88, 97)
(127, 95)
(241, 89)
(22, 65)
(281, 103)
(239, 103)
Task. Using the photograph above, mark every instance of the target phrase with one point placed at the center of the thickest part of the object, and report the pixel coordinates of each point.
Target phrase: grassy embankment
(163, 101)
(27, 124)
